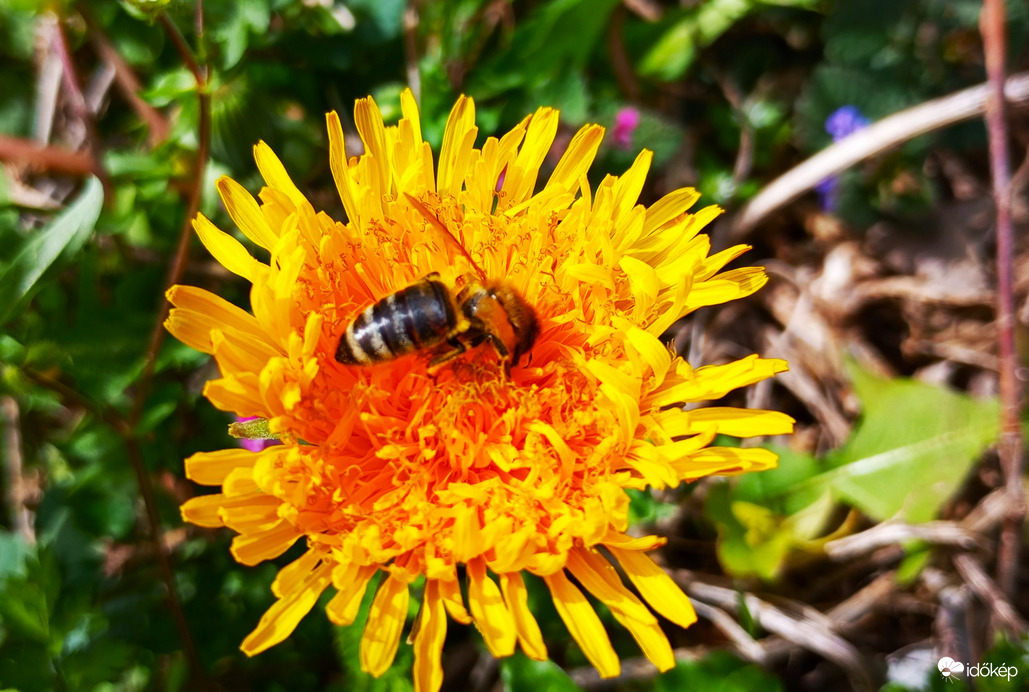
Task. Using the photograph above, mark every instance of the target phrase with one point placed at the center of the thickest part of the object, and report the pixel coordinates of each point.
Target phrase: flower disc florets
(465, 469)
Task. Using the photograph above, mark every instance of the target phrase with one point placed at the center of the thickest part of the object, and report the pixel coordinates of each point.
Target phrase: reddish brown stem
(1010, 448)
(46, 158)
(113, 418)
(175, 272)
(178, 265)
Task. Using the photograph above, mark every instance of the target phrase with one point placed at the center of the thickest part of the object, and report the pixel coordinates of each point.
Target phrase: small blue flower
(841, 123)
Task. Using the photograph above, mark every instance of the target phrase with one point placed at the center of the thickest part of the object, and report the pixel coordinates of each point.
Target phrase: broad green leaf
(912, 449)
(646, 508)
(719, 671)
(674, 52)
(67, 232)
(756, 541)
(520, 672)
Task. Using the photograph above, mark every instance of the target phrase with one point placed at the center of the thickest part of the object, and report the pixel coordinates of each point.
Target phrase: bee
(428, 314)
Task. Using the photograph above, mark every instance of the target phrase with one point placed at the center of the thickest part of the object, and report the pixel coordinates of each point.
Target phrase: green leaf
(717, 672)
(673, 53)
(67, 232)
(911, 451)
(519, 673)
(752, 540)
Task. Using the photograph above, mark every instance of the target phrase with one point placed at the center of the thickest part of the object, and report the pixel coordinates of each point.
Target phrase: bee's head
(504, 317)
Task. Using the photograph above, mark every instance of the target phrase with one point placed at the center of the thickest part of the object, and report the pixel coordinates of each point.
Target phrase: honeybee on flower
(466, 468)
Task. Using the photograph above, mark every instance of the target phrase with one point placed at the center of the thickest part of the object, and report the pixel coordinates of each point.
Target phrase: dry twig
(1010, 446)
(878, 137)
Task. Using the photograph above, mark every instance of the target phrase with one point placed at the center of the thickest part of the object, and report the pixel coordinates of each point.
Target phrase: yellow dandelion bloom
(466, 471)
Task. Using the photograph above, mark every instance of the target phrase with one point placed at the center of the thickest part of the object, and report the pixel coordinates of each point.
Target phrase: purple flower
(254, 445)
(845, 121)
(841, 123)
(626, 120)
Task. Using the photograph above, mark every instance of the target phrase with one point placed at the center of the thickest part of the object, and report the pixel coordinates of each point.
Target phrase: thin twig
(48, 79)
(109, 415)
(178, 265)
(1000, 607)
(126, 80)
(80, 107)
(157, 335)
(620, 62)
(745, 644)
(163, 560)
(414, 79)
(884, 134)
(890, 533)
(19, 516)
(805, 627)
(1010, 448)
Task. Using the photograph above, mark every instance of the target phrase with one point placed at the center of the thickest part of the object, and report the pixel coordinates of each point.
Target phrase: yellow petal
(715, 381)
(287, 612)
(652, 351)
(246, 213)
(205, 510)
(428, 644)
(583, 624)
(338, 166)
(275, 175)
(252, 548)
(450, 592)
(522, 173)
(725, 461)
(577, 159)
(492, 618)
(740, 422)
(368, 120)
(409, 109)
(289, 577)
(669, 207)
(528, 630)
(599, 577)
(600, 580)
(727, 286)
(656, 587)
(211, 468)
(229, 252)
(385, 622)
(219, 310)
(460, 122)
(342, 608)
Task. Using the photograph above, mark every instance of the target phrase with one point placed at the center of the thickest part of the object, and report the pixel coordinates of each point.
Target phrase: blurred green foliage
(84, 606)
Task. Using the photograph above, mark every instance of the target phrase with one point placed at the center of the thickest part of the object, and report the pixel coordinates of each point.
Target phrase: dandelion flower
(391, 473)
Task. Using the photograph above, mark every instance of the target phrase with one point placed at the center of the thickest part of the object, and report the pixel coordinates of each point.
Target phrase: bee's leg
(505, 355)
(457, 348)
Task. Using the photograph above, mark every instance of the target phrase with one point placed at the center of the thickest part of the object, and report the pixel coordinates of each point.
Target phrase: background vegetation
(857, 564)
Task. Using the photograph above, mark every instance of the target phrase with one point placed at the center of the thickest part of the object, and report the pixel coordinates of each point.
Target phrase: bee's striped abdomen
(419, 316)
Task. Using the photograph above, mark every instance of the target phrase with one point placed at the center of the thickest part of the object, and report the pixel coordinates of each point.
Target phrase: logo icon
(949, 667)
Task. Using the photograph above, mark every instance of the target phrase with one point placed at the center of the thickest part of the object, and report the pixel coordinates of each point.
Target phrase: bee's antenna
(438, 225)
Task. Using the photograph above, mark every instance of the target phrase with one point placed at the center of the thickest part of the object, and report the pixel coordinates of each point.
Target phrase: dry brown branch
(986, 589)
(1010, 449)
(126, 81)
(745, 644)
(804, 627)
(876, 138)
(890, 533)
(19, 515)
(44, 158)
